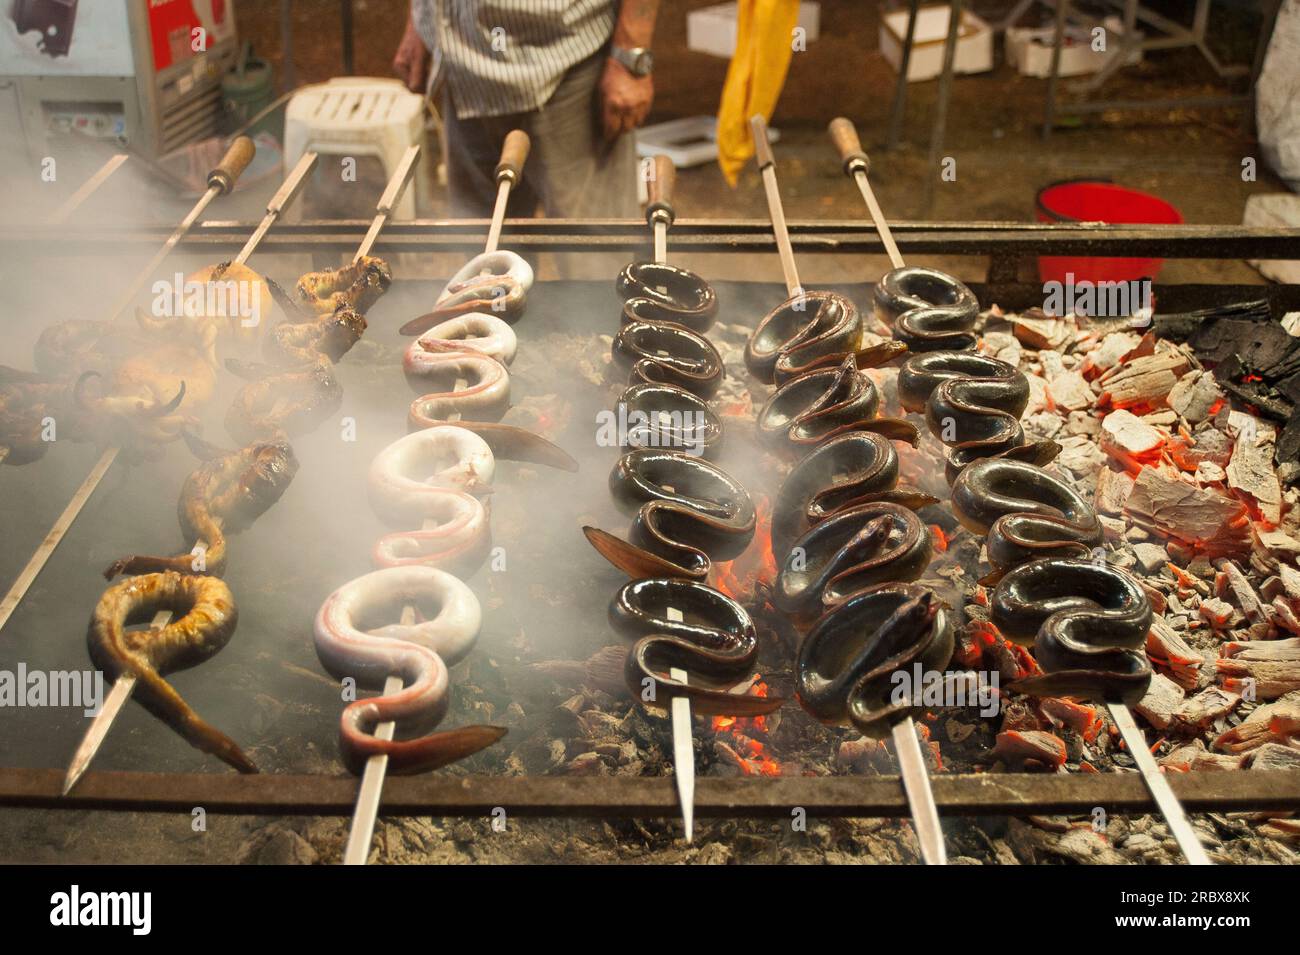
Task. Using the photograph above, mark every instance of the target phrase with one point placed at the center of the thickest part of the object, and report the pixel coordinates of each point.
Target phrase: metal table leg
(940, 124)
(1054, 77)
(900, 85)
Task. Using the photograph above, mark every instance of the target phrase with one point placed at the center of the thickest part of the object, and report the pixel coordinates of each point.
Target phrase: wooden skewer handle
(514, 153)
(659, 188)
(226, 173)
(845, 137)
(762, 148)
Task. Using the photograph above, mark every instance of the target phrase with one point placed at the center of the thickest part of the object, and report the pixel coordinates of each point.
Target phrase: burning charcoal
(1163, 502)
(1082, 423)
(1196, 396)
(1181, 757)
(1112, 349)
(1231, 582)
(1113, 489)
(1276, 722)
(1272, 678)
(1081, 456)
(1279, 544)
(1040, 331)
(1251, 473)
(1031, 750)
(1207, 472)
(1079, 717)
(585, 764)
(1129, 440)
(1169, 651)
(1144, 380)
(1274, 756)
(858, 754)
(1151, 557)
(1219, 614)
(1070, 391)
(1163, 698)
(1206, 708)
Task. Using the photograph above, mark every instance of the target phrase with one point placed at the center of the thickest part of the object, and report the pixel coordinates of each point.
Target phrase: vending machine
(143, 73)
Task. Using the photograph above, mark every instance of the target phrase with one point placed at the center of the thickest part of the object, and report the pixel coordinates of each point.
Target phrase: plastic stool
(360, 116)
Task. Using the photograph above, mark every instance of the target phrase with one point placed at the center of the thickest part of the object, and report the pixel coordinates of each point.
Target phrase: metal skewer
(911, 762)
(659, 214)
(220, 181)
(282, 199)
(388, 201)
(767, 166)
(1166, 801)
(514, 153)
(857, 164)
(362, 830)
(87, 188)
(97, 732)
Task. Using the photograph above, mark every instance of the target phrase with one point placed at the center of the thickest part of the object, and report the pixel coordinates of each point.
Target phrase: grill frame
(1005, 244)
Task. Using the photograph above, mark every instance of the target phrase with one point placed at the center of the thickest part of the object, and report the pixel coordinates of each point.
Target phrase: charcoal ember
(1205, 709)
(1170, 652)
(1274, 756)
(1030, 750)
(1162, 700)
(1196, 396)
(1276, 722)
(1083, 846)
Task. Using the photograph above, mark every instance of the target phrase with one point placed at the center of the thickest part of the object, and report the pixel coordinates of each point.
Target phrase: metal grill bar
(988, 794)
(426, 235)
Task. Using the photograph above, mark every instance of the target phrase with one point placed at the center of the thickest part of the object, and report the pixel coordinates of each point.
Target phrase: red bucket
(1099, 200)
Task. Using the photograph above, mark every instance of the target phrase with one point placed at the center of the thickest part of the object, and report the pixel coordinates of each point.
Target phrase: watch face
(645, 62)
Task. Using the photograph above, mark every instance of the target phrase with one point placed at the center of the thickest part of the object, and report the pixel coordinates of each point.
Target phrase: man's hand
(411, 61)
(625, 99)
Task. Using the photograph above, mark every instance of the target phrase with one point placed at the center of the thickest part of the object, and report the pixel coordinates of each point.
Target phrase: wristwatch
(638, 61)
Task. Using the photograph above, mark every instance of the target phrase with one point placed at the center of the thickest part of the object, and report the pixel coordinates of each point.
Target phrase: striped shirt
(508, 56)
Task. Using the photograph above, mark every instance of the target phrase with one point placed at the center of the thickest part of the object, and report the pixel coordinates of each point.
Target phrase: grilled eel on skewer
(224, 495)
(203, 621)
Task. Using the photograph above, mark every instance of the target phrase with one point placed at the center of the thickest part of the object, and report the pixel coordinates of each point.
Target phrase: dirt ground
(1192, 158)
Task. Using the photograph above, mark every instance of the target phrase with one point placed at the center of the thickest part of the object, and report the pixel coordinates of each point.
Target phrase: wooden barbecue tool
(856, 164)
(361, 832)
(659, 215)
(911, 762)
(124, 685)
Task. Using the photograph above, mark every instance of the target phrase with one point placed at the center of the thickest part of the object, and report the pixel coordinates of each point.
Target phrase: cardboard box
(974, 52)
(713, 29)
(1029, 49)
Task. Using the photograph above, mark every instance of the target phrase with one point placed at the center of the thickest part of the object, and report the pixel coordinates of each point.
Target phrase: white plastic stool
(360, 116)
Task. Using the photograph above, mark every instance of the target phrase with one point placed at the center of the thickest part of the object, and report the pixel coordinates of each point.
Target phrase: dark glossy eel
(1088, 623)
(850, 551)
(846, 665)
(808, 331)
(809, 409)
(656, 292)
(854, 468)
(1026, 512)
(715, 642)
(665, 353)
(689, 512)
(666, 311)
(665, 416)
(928, 310)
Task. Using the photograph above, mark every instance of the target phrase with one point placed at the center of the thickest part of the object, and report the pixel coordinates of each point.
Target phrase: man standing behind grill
(575, 74)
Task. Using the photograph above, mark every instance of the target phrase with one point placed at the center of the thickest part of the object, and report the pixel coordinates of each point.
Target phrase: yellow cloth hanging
(764, 45)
